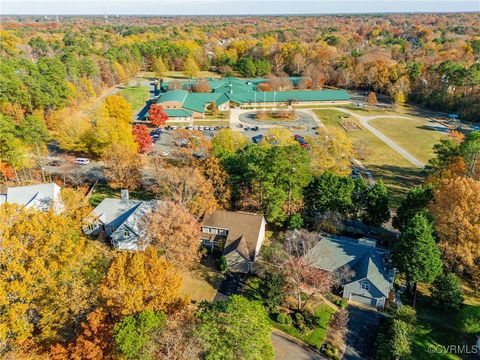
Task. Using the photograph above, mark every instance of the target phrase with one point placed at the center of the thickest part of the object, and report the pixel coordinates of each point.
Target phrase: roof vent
(124, 196)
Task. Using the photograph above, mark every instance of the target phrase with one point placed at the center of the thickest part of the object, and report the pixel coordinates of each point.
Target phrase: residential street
(287, 348)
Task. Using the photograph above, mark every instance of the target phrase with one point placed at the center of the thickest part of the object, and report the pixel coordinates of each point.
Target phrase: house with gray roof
(121, 221)
(41, 197)
(238, 235)
(373, 275)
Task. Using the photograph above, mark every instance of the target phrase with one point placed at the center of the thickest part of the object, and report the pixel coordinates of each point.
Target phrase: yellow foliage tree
(278, 136)
(114, 124)
(331, 151)
(227, 141)
(159, 68)
(119, 72)
(74, 132)
(122, 166)
(138, 281)
(43, 262)
(190, 67)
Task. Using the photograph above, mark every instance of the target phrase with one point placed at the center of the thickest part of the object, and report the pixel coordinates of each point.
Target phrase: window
(126, 233)
(365, 285)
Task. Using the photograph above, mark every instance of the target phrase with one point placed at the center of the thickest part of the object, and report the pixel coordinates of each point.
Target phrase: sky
(229, 7)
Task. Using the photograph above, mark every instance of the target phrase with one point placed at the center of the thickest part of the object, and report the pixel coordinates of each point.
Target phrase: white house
(42, 197)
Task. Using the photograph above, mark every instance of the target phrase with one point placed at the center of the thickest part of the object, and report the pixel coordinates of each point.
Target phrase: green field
(383, 162)
(136, 96)
(415, 135)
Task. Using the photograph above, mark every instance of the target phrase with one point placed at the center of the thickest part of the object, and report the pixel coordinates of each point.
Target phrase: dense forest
(48, 64)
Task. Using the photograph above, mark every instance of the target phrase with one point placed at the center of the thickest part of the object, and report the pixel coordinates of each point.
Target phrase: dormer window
(365, 285)
(126, 233)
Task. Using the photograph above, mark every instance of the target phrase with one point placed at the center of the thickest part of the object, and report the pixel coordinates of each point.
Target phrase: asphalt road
(287, 348)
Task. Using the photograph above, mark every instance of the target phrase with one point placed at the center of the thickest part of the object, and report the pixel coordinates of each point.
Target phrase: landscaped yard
(416, 135)
(136, 96)
(201, 283)
(103, 191)
(382, 161)
(436, 328)
(315, 337)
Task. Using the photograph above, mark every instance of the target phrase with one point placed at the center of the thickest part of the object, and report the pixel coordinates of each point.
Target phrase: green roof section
(293, 95)
(178, 113)
(174, 95)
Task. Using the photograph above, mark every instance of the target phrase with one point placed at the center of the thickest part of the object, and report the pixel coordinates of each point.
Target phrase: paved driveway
(362, 332)
(287, 348)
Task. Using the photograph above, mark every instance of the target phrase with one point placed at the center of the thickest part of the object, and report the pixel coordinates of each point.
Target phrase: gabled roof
(243, 230)
(174, 96)
(178, 113)
(367, 261)
(40, 196)
(114, 211)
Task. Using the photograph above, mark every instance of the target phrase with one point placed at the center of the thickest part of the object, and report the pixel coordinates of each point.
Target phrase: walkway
(287, 347)
(364, 122)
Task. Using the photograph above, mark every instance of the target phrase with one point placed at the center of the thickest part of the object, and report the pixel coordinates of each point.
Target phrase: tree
(133, 332)
(113, 124)
(295, 222)
(227, 142)
(190, 68)
(143, 138)
(74, 133)
(201, 86)
(175, 233)
(417, 200)
(138, 281)
(455, 208)
(372, 99)
(446, 292)
(187, 187)
(159, 68)
(213, 171)
(48, 276)
(235, 329)
(399, 98)
(416, 254)
(272, 289)
(401, 342)
(157, 115)
(339, 327)
(246, 67)
(377, 210)
(122, 167)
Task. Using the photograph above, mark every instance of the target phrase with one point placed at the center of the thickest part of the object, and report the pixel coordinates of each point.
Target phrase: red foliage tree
(142, 137)
(157, 115)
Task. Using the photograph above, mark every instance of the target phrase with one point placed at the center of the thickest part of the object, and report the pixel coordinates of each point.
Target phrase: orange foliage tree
(157, 115)
(143, 138)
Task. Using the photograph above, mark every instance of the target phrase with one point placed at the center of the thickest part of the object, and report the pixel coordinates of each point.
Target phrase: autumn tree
(113, 124)
(235, 329)
(122, 167)
(44, 262)
(227, 142)
(201, 86)
(138, 281)
(157, 115)
(456, 209)
(74, 132)
(190, 67)
(187, 187)
(159, 68)
(372, 99)
(142, 138)
(213, 171)
(175, 233)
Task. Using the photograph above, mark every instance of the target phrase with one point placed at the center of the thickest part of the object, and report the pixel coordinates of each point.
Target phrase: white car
(82, 161)
(164, 153)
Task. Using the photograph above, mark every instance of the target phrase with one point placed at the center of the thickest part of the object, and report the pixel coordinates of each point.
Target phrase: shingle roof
(243, 230)
(334, 252)
(114, 211)
(39, 196)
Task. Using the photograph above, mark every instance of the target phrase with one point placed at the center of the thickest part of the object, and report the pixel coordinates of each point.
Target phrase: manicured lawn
(415, 135)
(436, 327)
(317, 336)
(218, 115)
(136, 96)
(211, 123)
(201, 283)
(383, 162)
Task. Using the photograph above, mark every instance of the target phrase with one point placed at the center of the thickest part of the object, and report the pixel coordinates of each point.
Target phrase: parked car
(189, 127)
(255, 128)
(55, 163)
(174, 127)
(164, 153)
(82, 161)
(257, 138)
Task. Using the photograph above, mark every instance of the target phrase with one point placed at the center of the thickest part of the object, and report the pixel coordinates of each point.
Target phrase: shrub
(223, 266)
(469, 318)
(446, 292)
(295, 222)
(407, 314)
(328, 353)
(284, 318)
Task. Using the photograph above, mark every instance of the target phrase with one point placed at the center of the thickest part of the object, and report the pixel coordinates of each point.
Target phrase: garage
(363, 299)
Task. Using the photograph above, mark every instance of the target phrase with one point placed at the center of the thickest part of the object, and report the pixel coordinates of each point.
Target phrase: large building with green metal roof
(185, 105)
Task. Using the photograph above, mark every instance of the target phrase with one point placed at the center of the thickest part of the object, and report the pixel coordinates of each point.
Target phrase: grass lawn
(436, 327)
(383, 162)
(417, 135)
(136, 96)
(317, 336)
(218, 115)
(211, 122)
(103, 191)
(201, 283)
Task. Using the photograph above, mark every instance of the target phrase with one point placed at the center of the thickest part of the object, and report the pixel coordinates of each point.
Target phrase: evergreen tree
(376, 205)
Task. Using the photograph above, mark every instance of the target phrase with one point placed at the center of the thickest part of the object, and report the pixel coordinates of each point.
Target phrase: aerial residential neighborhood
(239, 180)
